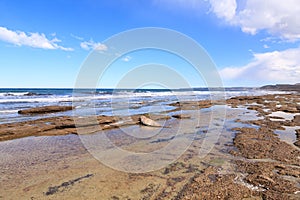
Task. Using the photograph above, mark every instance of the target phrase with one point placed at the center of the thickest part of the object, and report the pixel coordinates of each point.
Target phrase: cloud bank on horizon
(276, 18)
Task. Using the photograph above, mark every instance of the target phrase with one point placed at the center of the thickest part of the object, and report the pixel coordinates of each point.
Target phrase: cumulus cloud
(91, 45)
(224, 8)
(276, 66)
(35, 40)
(277, 17)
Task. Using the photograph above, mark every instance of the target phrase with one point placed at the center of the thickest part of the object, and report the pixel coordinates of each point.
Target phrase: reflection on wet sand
(186, 158)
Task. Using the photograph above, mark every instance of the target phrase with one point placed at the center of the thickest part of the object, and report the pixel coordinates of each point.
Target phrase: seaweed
(55, 189)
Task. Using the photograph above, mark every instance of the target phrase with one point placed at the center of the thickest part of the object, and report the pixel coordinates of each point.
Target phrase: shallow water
(285, 116)
(288, 135)
(103, 101)
(29, 166)
(202, 128)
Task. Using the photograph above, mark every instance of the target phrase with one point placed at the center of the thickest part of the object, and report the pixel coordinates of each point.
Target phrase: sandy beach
(255, 156)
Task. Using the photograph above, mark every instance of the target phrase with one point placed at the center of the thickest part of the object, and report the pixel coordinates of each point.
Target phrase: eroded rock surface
(45, 109)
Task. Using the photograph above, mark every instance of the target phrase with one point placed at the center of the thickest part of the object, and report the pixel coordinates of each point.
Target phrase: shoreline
(248, 161)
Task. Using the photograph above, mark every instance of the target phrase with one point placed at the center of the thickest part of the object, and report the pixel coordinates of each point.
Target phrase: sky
(45, 43)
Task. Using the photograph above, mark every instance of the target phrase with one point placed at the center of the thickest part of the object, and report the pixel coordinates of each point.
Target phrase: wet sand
(248, 159)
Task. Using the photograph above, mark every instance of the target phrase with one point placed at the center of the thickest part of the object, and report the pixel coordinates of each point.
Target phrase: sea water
(105, 101)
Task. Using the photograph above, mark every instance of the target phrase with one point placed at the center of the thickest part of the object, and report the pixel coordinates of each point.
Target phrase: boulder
(149, 122)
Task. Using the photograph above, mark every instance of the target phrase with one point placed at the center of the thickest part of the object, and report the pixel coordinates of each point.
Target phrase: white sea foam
(29, 100)
(20, 97)
(14, 93)
(8, 111)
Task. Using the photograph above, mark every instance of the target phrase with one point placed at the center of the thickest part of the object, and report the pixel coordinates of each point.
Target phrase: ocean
(104, 101)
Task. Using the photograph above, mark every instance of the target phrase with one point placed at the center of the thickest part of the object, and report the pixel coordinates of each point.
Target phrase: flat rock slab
(182, 116)
(45, 109)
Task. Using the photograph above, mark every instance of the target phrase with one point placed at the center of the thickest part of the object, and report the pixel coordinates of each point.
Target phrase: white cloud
(53, 34)
(91, 45)
(279, 18)
(76, 37)
(276, 66)
(126, 58)
(224, 8)
(36, 40)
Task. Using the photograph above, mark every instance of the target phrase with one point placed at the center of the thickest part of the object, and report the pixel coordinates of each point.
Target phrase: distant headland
(282, 87)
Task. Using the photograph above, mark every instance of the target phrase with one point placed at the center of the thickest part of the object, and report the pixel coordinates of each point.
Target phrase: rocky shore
(64, 125)
(270, 164)
(265, 167)
(255, 160)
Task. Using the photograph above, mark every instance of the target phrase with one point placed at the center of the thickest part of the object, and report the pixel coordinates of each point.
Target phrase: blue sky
(252, 42)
